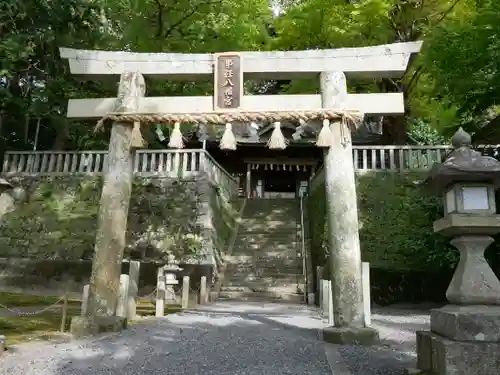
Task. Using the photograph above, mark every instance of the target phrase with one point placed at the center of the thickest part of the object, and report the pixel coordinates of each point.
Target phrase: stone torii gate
(332, 115)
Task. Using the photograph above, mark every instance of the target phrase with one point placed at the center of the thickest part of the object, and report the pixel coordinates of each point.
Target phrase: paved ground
(226, 339)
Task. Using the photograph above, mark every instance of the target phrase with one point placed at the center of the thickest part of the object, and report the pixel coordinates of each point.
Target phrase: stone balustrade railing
(399, 158)
(189, 162)
(147, 163)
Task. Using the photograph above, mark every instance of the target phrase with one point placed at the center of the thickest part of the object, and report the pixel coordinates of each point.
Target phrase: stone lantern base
(463, 340)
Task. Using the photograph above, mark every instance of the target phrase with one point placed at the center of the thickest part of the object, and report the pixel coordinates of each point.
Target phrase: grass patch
(46, 326)
(23, 300)
(149, 309)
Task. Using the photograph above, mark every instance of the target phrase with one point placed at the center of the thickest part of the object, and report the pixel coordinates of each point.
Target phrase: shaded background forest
(455, 81)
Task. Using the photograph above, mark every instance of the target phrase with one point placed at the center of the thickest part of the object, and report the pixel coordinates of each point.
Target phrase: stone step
(275, 210)
(252, 269)
(270, 274)
(264, 259)
(259, 239)
(260, 297)
(263, 282)
(270, 214)
(245, 254)
(266, 247)
(263, 273)
(290, 235)
(285, 270)
(280, 290)
(245, 263)
(255, 225)
(272, 202)
(272, 249)
(286, 251)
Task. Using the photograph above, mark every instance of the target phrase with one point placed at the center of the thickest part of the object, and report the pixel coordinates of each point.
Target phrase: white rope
(223, 118)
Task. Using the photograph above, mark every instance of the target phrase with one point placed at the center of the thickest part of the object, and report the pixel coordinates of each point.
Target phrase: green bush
(396, 224)
(395, 220)
(396, 236)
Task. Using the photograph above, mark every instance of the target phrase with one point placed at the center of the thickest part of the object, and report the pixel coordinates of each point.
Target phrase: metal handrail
(303, 245)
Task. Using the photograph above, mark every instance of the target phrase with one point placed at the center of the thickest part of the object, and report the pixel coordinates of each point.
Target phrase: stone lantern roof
(463, 165)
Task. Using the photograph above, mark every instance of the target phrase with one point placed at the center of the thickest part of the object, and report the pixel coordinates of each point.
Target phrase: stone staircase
(265, 263)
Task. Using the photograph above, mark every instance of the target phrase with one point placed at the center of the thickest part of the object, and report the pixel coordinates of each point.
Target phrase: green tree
(463, 57)
(327, 24)
(36, 83)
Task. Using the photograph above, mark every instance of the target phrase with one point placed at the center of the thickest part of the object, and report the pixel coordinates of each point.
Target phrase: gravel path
(227, 338)
(208, 342)
(397, 349)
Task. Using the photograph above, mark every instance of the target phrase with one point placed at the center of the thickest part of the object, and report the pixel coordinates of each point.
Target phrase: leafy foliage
(463, 57)
(422, 133)
(405, 241)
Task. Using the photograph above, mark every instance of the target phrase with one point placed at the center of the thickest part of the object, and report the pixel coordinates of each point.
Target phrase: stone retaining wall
(52, 277)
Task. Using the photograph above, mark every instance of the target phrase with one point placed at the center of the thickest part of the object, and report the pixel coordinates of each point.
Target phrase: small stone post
(185, 292)
(85, 300)
(133, 289)
(113, 212)
(343, 227)
(160, 293)
(121, 309)
(319, 277)
(324, 296)
(366, 294)
(203, 291)
(330, 303)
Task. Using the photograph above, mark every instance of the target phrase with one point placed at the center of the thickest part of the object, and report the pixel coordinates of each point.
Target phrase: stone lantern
(465, 335)
(166, 279)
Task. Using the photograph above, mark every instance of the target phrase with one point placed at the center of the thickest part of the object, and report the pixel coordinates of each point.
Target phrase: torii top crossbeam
(389, 60)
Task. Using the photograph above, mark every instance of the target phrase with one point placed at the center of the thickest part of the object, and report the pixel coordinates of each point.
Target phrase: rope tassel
(277, 140)
(325, 136)
(228, 141)
(136, 139)
(175, 140)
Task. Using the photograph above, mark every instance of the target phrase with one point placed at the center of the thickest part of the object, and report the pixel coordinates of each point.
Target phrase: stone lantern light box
(470, 198)
(467, 182)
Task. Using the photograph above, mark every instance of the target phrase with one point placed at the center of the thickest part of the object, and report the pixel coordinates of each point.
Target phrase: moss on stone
(58, 219)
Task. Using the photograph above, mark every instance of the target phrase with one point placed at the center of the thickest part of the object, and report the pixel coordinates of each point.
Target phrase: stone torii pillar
(343, 226)
(112, 219)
